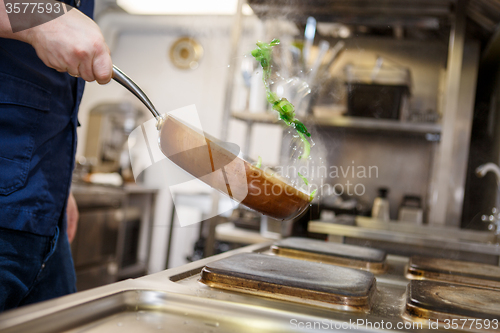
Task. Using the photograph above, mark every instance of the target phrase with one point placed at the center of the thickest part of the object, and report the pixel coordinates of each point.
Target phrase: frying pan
(217, 164)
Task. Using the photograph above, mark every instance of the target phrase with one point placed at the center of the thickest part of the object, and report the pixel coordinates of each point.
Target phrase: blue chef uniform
(38, 121)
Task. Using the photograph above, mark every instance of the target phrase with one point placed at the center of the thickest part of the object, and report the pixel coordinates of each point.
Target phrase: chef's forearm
(5, 27)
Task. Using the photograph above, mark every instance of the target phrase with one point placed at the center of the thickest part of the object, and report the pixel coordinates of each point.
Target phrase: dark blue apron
(38, 121)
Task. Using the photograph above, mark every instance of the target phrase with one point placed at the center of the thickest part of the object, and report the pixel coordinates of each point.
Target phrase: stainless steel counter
(174, 300)
(409, 239)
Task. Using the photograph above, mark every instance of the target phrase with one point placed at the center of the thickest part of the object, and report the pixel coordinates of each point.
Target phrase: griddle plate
(437, 300)
(454, 267)
(295, 280)
(333, 249)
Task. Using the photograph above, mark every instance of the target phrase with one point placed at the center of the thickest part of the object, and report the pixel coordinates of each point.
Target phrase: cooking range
(365, 282)
(291, 285)
(356, 285)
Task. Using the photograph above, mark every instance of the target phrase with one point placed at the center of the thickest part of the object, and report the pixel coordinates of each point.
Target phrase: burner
(293, 280)
(460, 272)
(442, 301)
(353, 256)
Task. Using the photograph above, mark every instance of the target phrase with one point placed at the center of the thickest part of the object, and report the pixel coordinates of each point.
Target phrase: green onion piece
(307, 146)
(259, 162)
(275, 41)
(304, 179)
(300, 127)
(272, 97)
(313, 193)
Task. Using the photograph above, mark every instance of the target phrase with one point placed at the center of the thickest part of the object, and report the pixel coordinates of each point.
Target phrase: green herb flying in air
(259, 162)
(263, 54)
(303, 178)
(312, 195)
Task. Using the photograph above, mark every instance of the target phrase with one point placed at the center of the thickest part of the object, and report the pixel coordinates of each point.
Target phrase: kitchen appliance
(174, 299)
(411, 210)
(95, 246)
(245, 218)
(401, 303)
(109, 126)
(114, 232)
(372, 260)
(203, 156)
(433, 304)
(293, 280)
(379, 92)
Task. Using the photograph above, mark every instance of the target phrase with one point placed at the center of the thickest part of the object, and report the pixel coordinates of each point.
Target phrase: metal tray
(154, 311)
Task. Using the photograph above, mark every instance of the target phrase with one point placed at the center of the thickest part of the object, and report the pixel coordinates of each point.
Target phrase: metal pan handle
(127, 82)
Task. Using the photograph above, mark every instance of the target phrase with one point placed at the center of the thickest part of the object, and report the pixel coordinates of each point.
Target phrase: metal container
(377, 92)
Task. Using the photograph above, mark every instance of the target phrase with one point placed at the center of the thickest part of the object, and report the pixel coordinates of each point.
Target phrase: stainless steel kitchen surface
(175, 301)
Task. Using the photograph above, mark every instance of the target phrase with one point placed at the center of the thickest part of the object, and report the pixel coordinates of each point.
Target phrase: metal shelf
(418, 13)
(364, 124)
(421, 236)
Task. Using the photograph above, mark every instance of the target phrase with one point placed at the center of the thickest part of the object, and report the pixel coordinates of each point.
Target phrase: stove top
(432, 300)
(369, 259)
(294, 270)
(396, 301)
(176, 300)
(294, 280)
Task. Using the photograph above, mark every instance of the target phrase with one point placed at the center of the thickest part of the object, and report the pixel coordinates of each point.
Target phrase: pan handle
(127, 82)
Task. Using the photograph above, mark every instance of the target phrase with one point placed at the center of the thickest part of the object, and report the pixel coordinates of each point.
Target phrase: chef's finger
(103, 67)
(85, 71)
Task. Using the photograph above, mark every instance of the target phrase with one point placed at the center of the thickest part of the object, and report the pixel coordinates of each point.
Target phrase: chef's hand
(70, 43)
(72, 212)
(73, 43)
